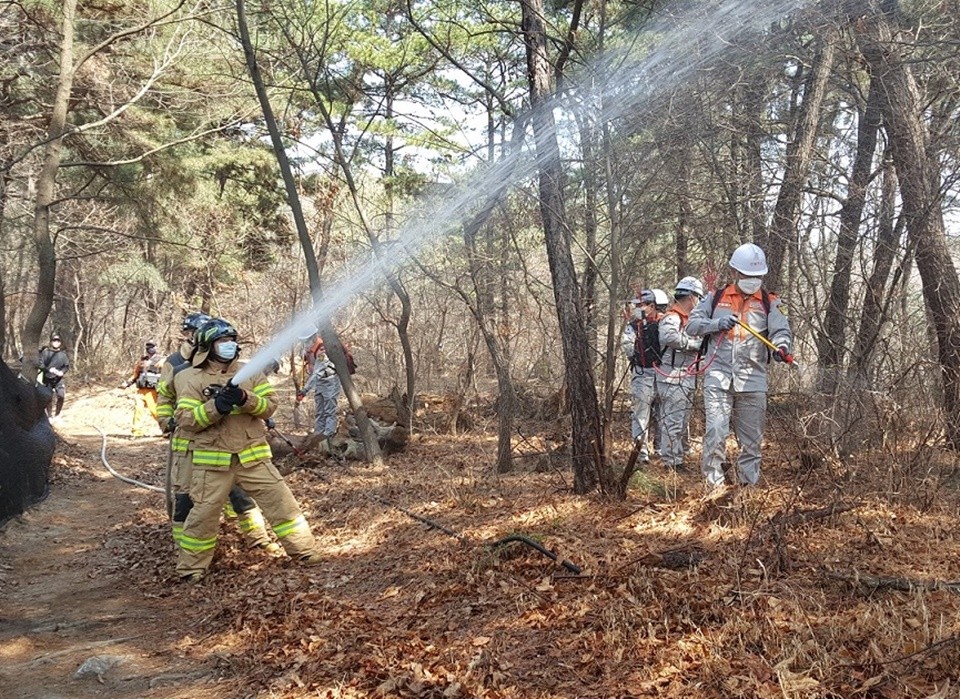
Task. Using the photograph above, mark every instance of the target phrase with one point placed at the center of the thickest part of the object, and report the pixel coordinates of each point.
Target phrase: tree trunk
(589, 467)
(831, 343)
(875, 300)
(783, 228)
(46, 188)
(919, 175)
(331, 341)
(3, 291)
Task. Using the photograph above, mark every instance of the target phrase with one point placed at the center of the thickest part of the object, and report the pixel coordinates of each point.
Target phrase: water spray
(710, 27)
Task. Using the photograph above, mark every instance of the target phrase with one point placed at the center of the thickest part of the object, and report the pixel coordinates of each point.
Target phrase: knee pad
(240, 501)
(181, 507)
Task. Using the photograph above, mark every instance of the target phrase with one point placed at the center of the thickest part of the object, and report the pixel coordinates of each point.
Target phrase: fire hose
(125, 479)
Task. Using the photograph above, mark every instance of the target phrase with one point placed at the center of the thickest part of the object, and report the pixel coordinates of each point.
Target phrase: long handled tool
(782, 353)
(272, 426)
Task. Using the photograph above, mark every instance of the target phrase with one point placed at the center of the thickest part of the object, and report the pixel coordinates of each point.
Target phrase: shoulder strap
(764, 299)
(716, 298)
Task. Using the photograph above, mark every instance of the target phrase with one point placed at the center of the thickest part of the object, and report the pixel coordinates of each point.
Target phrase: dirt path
(71, 622)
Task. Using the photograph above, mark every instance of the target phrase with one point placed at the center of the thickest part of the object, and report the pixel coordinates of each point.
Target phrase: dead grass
(769, 605)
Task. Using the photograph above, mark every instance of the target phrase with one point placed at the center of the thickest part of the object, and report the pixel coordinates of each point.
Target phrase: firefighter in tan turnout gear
(229, 447)
(249, 517)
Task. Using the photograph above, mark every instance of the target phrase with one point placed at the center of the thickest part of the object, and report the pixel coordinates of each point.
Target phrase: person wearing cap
(735, 380)
(53, 364)
(640, 344)
(146, 377)
(677, 379)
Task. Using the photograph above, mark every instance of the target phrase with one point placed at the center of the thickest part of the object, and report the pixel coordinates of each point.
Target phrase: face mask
(638, 314)
(750, 286)
(226, 350)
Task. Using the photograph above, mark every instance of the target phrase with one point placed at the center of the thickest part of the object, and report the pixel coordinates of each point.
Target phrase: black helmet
(193, 321)
(213, 330)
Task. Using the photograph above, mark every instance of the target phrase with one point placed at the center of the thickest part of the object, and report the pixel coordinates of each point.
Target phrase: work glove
(726, 322)
(270, 423)
(783, 355)
(228, 397)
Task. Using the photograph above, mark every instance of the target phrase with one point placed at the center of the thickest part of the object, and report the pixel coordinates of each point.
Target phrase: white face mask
(226, 350)
(638, 314)
(750, 285)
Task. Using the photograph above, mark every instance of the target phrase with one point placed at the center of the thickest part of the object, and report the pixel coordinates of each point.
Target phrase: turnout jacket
(741, 359)
(215, 438)
(167, 395)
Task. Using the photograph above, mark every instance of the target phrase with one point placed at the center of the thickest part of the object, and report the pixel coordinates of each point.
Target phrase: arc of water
(708, 26)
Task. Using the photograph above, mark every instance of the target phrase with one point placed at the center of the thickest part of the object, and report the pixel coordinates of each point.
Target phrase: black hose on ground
(572, 567)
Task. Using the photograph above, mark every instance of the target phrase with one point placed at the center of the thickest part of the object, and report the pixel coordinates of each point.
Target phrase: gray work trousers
(676, 404)
(326, 396)
(746, 413)
(643, 391)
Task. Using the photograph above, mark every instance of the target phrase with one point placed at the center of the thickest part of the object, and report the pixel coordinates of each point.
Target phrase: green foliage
(132, 272)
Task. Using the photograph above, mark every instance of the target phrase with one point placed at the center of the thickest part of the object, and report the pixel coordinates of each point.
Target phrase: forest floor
(828, 580)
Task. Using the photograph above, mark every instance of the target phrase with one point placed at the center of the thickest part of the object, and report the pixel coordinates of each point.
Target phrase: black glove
(228, 397)
(782, 354)
(726, 322)
(270, 423)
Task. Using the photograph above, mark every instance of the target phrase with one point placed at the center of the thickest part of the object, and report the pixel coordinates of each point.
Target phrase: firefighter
(224, 423)
(146, 375)
(249, 517)
(735, 382)
(677, 380)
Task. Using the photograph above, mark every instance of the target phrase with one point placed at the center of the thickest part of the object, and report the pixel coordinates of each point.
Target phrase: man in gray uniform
(677, 379)
(735, 382)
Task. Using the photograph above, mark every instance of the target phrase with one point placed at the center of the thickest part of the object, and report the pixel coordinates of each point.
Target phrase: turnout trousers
(746, 413)
(210, 489)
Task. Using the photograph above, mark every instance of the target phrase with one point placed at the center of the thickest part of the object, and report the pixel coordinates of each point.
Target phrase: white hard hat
(645, 296)
(749, 259)
(689, 285)
(661, 297)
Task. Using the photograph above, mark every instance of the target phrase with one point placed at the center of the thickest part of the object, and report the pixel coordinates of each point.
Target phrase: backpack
(149, 375)
(647, 351)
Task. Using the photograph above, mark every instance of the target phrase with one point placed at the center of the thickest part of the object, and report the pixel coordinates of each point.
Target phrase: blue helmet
(193, 321)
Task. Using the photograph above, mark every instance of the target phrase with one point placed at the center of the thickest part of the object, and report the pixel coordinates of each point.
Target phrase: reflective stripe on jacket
(216, 438)
(741, 359)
